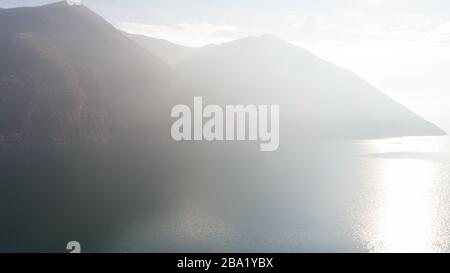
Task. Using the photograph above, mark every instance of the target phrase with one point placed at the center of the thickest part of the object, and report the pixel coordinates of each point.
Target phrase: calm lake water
(389, 195)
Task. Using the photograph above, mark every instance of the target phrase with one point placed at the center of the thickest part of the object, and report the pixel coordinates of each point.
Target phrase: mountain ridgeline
(317, 99)
(65, 74)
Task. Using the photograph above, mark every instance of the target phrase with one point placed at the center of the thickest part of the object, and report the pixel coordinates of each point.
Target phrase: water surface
(389, 195)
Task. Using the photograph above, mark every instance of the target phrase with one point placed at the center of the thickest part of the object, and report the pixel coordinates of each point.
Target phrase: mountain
(66, 74)
(316, 98)
(80, 105)
(166, 51)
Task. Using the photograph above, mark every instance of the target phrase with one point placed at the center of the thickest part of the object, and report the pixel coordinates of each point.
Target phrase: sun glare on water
(406, 215)
(403, 213)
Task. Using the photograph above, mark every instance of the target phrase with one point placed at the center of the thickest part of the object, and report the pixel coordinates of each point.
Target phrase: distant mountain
(66, 74)
(316, 98)
(166, 51)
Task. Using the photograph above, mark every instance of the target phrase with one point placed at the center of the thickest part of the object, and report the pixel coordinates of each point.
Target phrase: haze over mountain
(316, 98)
(166, 51)
(65, 73)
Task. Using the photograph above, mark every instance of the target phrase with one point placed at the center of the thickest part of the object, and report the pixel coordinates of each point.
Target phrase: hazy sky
(400, 46)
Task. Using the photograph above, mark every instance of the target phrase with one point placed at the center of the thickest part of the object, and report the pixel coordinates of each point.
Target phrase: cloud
(373, 2)
(188, 34)
(358, 28)
(440, 36)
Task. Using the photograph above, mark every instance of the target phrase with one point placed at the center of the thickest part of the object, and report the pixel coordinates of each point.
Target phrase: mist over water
(386, 195)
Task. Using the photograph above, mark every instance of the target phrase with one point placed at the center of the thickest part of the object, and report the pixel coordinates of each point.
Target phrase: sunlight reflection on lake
(408, 196)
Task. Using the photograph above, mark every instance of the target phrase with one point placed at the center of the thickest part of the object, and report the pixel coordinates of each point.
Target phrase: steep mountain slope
(66, 74)
(316, 98)
(80, 105)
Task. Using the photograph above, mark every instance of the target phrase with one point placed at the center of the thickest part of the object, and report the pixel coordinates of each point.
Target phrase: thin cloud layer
(188, 34)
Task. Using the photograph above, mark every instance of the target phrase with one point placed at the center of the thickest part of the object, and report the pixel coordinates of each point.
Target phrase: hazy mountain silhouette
(166, 51)
(66, 73)
(316, 98)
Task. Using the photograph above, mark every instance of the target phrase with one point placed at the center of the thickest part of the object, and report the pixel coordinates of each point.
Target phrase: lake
(388, 195)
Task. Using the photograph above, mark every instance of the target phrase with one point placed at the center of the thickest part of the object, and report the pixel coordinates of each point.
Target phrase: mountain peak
(60, 5)
(65, 3)
(73, 2)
